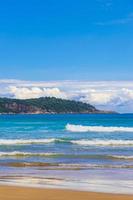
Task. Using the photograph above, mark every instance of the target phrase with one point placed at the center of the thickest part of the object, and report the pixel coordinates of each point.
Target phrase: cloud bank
(108, 95)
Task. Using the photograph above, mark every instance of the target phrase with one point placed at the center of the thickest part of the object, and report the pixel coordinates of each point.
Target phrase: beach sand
(23, 193)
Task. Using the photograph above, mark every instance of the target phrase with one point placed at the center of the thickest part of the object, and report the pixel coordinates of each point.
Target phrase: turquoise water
(86, 151)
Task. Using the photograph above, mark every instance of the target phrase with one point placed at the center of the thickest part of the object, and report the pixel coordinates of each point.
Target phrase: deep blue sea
(92, 152)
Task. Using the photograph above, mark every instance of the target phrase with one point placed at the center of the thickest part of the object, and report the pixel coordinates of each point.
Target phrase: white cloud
(97, 98)
(116, 95)
(35, 92)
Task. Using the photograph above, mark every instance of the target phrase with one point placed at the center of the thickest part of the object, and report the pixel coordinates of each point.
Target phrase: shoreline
(59, 113)
(26, 193)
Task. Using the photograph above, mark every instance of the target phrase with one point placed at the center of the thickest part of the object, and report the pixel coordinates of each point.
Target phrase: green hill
(44, 105)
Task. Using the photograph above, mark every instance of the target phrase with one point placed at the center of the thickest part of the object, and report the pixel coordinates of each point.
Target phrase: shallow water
(77, 151)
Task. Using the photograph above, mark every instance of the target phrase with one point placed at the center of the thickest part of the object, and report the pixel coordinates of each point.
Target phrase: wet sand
(23, 193)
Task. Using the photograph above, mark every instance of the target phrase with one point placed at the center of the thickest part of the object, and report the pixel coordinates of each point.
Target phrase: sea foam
(24, 141)
(81, 128)
(98, 142)
(26, 154)
(83, 142)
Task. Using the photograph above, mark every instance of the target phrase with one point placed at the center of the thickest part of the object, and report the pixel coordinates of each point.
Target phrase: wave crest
(103, 142)
(53, 154)
(83, 142)
(81, 128)
(28, 141)
(27, 154)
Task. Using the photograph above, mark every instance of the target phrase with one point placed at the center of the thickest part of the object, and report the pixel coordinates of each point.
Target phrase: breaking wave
(64, 166)
(80, 128)
(122, 157)
(49, 154)
(27, 154)
(28, 141)
(83, 142)
(103, 142)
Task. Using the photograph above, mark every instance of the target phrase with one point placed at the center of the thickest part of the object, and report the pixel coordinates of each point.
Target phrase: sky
(85, 42)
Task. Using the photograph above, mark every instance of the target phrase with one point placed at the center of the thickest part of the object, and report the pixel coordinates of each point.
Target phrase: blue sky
(66, 40)
(81, 50)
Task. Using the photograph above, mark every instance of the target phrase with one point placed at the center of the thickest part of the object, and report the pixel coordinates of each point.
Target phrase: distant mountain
(45, 105)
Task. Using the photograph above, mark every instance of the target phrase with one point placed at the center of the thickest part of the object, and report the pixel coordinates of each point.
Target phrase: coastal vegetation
(44, 105)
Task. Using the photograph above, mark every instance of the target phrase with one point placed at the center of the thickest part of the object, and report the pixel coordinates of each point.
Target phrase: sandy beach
(23, 193)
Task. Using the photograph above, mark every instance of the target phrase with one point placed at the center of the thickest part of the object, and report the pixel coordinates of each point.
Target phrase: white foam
(28, 141)
(98, 142)
(98, 184)
(19, 153)
(84, 142)
(80, 128)
(123, 157)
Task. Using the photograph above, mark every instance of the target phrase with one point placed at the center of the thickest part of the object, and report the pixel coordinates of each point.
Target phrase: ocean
(90, 152)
